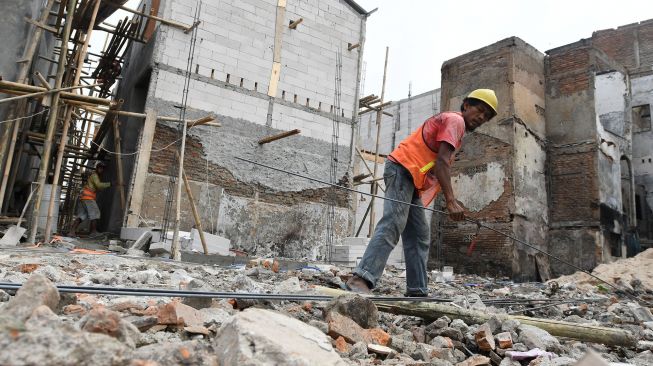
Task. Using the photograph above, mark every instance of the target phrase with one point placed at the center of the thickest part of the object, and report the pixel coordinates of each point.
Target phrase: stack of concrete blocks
(241, 47)
(350, 252)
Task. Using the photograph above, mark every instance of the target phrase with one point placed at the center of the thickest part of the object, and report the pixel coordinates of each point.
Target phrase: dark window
(642, 118)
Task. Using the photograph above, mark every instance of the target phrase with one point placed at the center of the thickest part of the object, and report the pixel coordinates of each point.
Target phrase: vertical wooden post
(196, 216)
(118, 155)
(379, 114)
(176, 254)
(81, 55)
(52, 120)
(140, 171)
(19, 109)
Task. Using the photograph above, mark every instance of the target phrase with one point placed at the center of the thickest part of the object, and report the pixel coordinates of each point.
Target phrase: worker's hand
(456, 210)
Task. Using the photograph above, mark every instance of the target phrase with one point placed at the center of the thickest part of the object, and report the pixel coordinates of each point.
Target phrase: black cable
(625, 291)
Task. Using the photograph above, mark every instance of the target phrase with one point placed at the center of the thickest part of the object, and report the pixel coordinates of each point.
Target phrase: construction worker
(87, 208)
(416, 171)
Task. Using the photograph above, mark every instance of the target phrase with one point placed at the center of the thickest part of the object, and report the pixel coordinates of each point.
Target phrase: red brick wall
(574, 185)
(623, 43)
(493, 252)
(568, 69)
(195, 167)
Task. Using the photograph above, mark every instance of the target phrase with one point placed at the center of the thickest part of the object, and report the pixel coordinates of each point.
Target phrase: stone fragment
(176, 313)
(143, 323)
(341, 345)
(504, 340)
(323, 326)
(494, 357)
(484, 338)
(476, 360)
(510, 325)
(452, 333)
(263, 337)
(441, 342)
(419, 334)
(358, 308)
(28, 267)
(158, 249)
(444, 354)
(197, 330)
(640, 313)
(358, 351)
(342, 326)
(36, 291)
(4, 296)
(46, 340)
(380, 350)
(178, 353)
(74, 310)
(460, 325)
(214, 316)
(142, 241)
(591, 358)
(534, 337)
(105, 321)
(378, 336)
(507, 361)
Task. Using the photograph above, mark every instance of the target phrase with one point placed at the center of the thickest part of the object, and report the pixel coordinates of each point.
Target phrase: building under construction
(182, 91)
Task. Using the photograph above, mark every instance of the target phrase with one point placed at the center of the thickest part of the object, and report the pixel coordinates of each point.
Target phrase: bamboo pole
(118, 155)
(176, 254)
(379, 113)
(14, 127)
(431, 311)
(45, 92)
(52, 121)
(278, 136)
(10, 87)
(81, 55)
(196, 216)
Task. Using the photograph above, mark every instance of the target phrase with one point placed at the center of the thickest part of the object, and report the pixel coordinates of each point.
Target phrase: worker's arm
(443, 173)
(99, 185)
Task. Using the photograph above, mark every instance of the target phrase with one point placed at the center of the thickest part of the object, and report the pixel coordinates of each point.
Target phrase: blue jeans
(399, 219)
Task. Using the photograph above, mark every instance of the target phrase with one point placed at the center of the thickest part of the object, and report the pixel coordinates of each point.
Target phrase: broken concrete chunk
(109, 322)
(358, 308)
(160, 249)
(342, 326)
(264, 337)
(36, 291)
(142, 241)
(534, 337)
(380, 350)
(484, 338)
(176, 313)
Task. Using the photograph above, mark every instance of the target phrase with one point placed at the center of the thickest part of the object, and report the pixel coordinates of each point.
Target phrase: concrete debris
(107, 330)
(263, 337)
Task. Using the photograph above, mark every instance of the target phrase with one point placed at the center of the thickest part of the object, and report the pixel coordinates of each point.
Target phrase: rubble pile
(41, 325)
(634, 273)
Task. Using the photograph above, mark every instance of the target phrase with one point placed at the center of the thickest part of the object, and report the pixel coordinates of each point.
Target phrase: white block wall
(408, 114)
(236, 40)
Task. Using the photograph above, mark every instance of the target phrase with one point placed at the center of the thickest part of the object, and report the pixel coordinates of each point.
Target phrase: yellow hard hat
(487, 96)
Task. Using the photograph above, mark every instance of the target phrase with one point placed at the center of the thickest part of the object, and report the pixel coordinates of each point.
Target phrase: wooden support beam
(293, 24)
(9, 87)
(353, 46)
(171, 23)
(278, 136)
(140, 170)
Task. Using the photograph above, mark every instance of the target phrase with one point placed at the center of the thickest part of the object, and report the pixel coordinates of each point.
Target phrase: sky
(422, 34)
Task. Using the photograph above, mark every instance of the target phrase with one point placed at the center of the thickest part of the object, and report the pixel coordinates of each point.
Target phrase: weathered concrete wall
(642, 96)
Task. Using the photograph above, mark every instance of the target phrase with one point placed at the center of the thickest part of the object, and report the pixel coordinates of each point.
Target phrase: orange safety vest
(417, 157)
(88, 194)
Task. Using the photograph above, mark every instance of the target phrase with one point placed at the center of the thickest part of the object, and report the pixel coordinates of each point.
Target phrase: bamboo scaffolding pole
(52, 122)
(196, 216)
(81, 55)
(10, 87)
(7, 144)
(379, 114)
(49, 91)
(119, 170)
